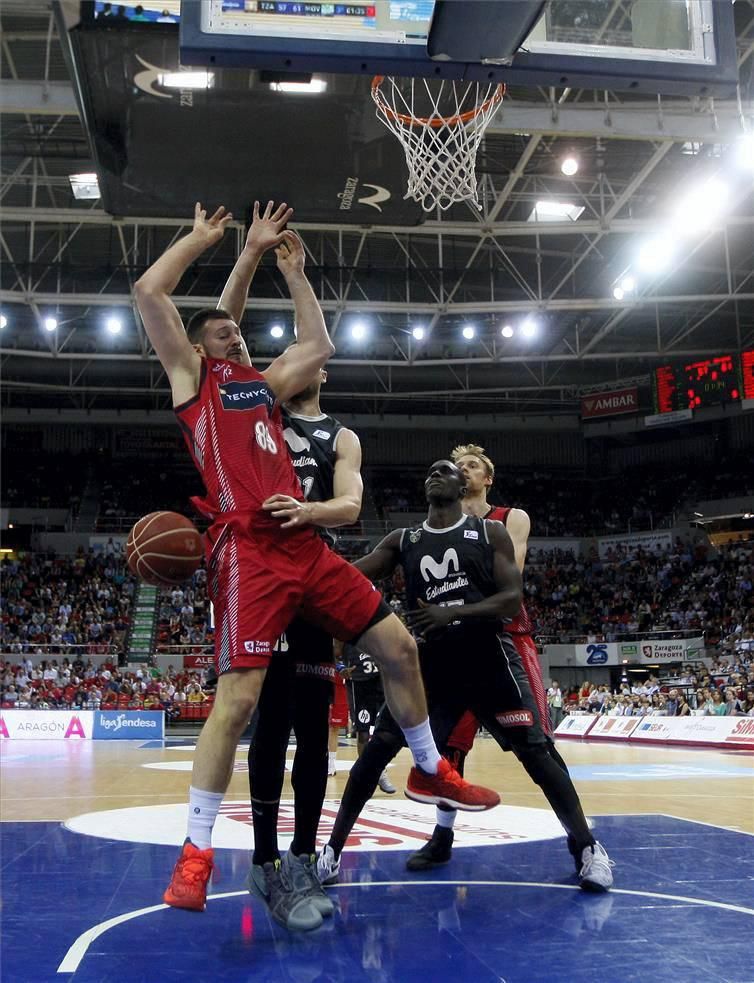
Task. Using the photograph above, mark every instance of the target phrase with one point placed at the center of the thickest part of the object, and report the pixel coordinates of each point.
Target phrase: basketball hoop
(440, 132)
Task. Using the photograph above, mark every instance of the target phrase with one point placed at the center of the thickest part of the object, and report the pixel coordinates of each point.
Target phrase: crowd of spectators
(43, 481)
(61, 605)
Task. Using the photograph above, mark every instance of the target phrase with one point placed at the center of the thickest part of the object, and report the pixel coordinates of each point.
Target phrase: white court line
(685, 819)
(78, 950)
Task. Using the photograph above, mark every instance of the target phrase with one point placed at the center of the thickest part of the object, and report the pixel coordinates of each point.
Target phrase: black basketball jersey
(312, 443)
(365, 669)
(449, 567)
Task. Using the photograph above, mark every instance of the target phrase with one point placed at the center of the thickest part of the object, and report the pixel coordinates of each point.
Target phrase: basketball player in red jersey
(479, 473)
(260, 573)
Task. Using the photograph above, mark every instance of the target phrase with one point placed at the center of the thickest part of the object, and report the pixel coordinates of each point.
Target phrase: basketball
(164, 548)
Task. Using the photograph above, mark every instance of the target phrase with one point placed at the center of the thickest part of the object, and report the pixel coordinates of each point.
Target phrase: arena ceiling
(74, 261)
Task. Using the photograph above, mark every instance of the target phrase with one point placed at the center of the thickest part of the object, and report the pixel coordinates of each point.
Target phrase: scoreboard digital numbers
(699, 384)
(747, 374)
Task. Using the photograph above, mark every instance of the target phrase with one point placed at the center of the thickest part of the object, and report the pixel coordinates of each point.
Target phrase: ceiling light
(468, 331)
(358, 330)
(656, 254)
(744, 151)
(569, 166)
(113, 325)
(315, 86)
(50, 324)
(187, 80)
(627, 284)
(701, 207)
(85, 187)
(506, 331)
(3, 321)
(418, 332)
(555, 211)
(276, 331)
(618, 293)
(529, 327)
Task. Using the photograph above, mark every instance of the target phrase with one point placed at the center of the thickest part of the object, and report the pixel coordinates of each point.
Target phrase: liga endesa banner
(610, 404)
(128, 725)
(46, 725)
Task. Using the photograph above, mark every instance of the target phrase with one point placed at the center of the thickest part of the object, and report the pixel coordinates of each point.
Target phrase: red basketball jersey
(522, 624)
(234, 433)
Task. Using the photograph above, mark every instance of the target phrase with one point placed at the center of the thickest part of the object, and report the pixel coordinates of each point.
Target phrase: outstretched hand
(267, 230)
(429, 617)
(212, 229)
(290, 254)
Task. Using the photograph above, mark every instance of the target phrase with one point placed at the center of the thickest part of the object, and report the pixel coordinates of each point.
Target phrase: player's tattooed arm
(265, 232)
(383, 559)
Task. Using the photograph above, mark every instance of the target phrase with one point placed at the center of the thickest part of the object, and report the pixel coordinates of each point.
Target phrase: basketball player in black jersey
(462, 582)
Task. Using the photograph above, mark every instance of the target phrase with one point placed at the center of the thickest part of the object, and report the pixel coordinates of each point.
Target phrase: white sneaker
(596, 869)
(328, 866)
(385, 785)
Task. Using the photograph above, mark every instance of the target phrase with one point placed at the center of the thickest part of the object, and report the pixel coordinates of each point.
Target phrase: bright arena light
(569, 166)
(359, 330)
(655, 254)
(618, 293)
(529, 327)
(627, 284)
(468, 331)
(50, 324)
(506, 331)
(418, 333)
(701, 207)
(113, 325)
(197, 79)
(276, 331)
(744, 152)
(3, 321)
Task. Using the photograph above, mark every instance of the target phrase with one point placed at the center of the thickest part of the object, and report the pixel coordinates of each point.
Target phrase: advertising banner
(46, 725)
(741, 733)
(610, 403)
(646, 540)
(730, 731)
(596, 654)
(129, 725)
(198, 661)
(576, 725)
(677, 650)
(614, 728)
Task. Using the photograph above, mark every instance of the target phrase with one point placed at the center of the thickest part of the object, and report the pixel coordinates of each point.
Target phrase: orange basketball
(164, 548)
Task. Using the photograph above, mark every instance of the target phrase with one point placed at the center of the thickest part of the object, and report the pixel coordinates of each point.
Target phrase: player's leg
(380, 750)
(338, 717)
(368, 699)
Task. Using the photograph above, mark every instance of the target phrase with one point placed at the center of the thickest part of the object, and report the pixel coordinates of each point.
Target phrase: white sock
(203, 810)
(421, 744)
(332, 757)
(446, 818)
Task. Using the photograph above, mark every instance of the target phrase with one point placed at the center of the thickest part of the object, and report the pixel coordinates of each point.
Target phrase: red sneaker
(188, 885)
(448, 788)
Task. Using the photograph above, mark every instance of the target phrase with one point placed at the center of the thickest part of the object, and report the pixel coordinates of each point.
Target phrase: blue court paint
(623, 772)
(440, 926)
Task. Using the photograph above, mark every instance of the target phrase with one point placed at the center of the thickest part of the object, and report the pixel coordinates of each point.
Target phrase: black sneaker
(435, 853)
(289, 907)
(302, 873)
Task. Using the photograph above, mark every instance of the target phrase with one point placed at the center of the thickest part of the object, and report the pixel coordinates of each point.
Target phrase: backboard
(678, 47)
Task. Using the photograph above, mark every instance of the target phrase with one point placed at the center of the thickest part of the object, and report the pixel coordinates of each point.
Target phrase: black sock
(265, 818)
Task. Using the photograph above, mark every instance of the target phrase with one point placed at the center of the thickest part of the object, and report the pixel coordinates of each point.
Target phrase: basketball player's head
(444, 484)
(214, 334)
(312, 390)
(477, 468)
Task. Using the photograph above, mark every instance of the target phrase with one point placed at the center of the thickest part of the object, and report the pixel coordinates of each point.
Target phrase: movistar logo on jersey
(295, 441)
(439, 571)
(245, 395)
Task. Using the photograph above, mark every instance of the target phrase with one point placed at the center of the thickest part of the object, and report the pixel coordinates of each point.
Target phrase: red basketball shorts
(259, 578)
(339, 705)
(465, 730)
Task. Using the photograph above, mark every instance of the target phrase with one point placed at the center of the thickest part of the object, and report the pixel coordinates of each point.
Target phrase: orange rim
(435, 121)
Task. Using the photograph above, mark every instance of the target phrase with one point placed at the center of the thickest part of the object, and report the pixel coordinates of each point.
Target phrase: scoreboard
(724, 379)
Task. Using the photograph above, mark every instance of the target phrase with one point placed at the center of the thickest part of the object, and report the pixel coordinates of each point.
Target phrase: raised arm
(519, 526)
(162, 321)
(265, 232)
(298, 365)
(383, 559)
(340, 510)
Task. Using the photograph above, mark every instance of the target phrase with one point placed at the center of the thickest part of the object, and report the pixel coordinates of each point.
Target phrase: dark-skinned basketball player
(462, 584)
(259, 574)
(479, 472)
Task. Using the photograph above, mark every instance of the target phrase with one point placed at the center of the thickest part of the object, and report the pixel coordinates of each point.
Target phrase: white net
(440, 124)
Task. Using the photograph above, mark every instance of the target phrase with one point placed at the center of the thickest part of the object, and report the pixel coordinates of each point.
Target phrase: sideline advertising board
(71, 725)
(576, 725)
(614, 728)
(730, 731)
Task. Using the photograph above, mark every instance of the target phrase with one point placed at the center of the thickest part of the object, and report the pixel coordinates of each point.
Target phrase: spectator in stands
(717, 706)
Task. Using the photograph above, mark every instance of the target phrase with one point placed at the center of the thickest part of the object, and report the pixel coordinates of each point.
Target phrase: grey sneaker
(328, 866)
(596, 869)
(289, 907)
(302, 873)
(385, 785)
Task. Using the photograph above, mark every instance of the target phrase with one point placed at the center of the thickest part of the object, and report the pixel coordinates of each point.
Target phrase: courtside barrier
(576, 725)
(731, 732)
(78, 725)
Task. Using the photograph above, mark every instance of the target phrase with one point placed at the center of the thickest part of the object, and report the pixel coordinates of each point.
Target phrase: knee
(404, 654)
(235, 707)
